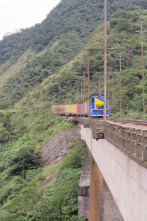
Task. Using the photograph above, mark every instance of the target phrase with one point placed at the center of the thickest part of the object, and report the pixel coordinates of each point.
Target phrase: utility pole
(120, 60)
(83, 87)
(99, 86)
(105, 57)
(142, 60)
(66, 98)
(88, 86)
(81, 94)
(109, 89)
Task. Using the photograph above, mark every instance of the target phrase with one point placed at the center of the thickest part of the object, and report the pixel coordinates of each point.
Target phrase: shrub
(74, 159)
(4, 135)
(25, 159)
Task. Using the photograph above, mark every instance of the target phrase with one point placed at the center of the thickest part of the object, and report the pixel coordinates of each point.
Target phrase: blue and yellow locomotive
(97, 105)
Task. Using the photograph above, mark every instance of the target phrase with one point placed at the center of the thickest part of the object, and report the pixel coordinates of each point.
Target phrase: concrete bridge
(118, 177)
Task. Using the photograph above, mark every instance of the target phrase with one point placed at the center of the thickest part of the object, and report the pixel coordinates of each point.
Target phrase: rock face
(83, 188)
(57, 146)
(54, 148)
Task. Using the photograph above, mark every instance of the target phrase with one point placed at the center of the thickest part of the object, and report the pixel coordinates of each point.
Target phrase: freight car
(95, 106)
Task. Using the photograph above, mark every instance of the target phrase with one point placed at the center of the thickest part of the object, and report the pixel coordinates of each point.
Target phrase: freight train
(95, 106)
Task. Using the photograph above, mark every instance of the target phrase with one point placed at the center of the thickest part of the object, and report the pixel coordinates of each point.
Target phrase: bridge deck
(133, 124)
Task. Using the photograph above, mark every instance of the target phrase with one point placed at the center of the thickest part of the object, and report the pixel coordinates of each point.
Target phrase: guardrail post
(124, 138)
(144, 151)
(128, 140)
(139, 144)
(120, 137)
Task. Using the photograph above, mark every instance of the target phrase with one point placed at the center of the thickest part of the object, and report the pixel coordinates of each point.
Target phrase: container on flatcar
(58, 109)
(67, 108)
(82, 108)
(54, 108)
(79, 108)
(86, 108)
(61, 109)
(74, 109)
(70, 108)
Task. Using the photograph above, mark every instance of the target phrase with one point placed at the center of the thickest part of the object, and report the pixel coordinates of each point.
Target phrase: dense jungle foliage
(78, 16)
(22, 197)
(54, 42)
(65, 85)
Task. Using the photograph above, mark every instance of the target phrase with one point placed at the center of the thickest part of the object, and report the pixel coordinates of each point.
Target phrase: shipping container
(67, 108)
(61, 109)
(82, 108)
(86, 107)
(78, 108)
(70, 108)
(74, 109)
(54, 108)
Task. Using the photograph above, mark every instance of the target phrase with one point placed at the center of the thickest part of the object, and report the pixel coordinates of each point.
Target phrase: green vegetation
(22, 197)
(51, 72)
(78, 17)
(65, 84)
(56, 201)
(64, 88)
(55, 41)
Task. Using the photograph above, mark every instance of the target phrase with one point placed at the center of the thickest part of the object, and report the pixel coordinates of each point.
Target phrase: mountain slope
(25, 129)
(81, 17)
(65, 85)
(70, 24)
(10, 72)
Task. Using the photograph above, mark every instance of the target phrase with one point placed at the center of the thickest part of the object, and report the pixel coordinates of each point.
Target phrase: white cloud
(18, 14)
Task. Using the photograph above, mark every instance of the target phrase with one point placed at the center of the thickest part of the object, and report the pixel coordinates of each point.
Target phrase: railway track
(125, 121)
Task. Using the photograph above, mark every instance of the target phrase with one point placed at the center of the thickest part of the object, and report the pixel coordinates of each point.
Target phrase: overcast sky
(18, 14)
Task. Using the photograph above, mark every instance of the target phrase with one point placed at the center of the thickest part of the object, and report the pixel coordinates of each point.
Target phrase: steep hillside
(65, 86)
(81, 17)
(7, 72)
(30, 190)
(68, 27)
(54, 76)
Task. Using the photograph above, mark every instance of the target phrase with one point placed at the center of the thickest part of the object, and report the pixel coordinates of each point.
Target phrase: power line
(142, 61)
(120, 91)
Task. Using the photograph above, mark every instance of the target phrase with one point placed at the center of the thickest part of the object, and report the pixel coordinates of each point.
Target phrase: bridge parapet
(131, 141)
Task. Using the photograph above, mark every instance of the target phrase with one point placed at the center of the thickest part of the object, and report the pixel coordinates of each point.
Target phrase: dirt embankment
(54, 148)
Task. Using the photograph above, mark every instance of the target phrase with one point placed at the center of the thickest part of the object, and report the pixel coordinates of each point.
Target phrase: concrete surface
(109, 209)
(84, 184)
(126, 180)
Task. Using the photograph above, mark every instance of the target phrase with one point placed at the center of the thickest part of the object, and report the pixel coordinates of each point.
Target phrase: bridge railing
(132, 141)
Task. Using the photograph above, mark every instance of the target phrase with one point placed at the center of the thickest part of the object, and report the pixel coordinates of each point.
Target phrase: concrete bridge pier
(94, 197)
(121, 157)
(95, 192)
(102, 206)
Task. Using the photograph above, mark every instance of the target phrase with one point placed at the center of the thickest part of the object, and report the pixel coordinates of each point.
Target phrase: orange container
(54, 108)
(61, 109)
(86, 107)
